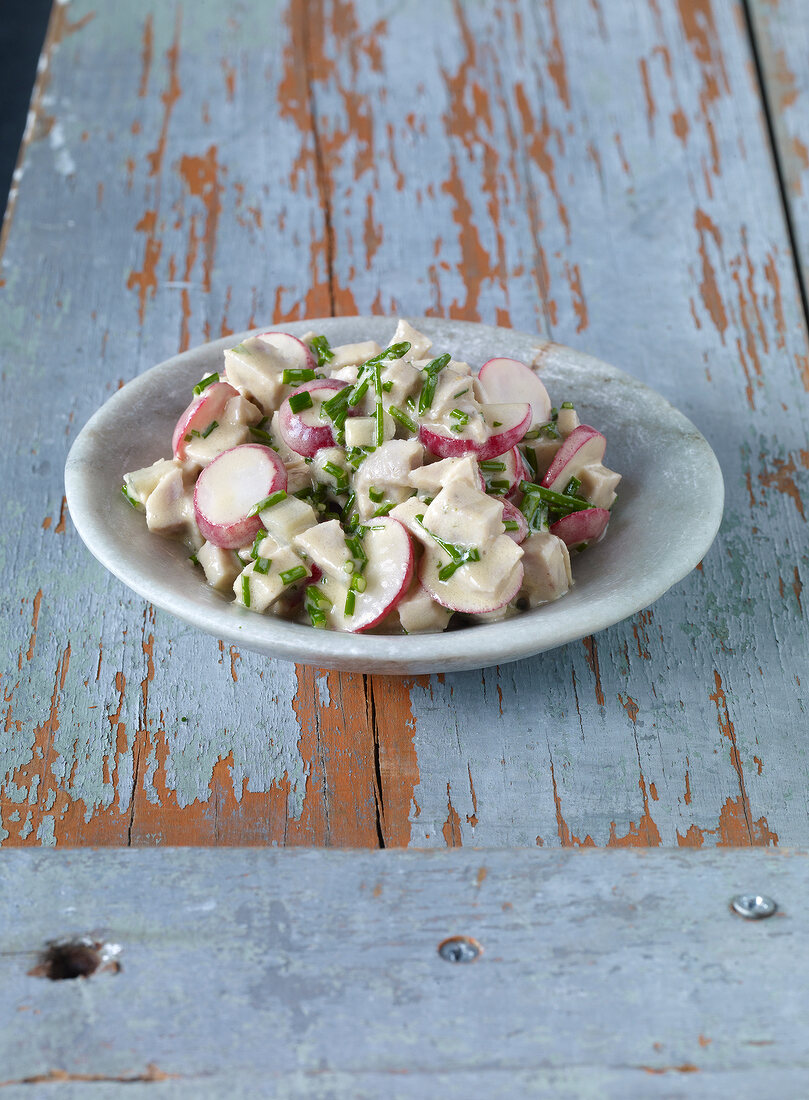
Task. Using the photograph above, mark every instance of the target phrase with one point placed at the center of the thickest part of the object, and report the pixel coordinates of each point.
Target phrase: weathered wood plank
(610, 185)
(781, 30)
(638, 217)
(321, 972)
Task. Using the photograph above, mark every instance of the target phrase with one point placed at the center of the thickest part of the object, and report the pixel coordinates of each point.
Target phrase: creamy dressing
(360, 488)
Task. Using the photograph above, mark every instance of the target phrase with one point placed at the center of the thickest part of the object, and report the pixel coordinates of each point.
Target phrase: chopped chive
(246, 591)
(511, 525)
(348, 566)
(262, 566)
(572, 487)
(557, 502)
(460, 393)
(358, 583)
(497, 423)
(316, 616)
(383, 509)
(289, 576)
(300, 401)
(130, 498)
(200, 386)
(268, 502)
(387, 385)
(549, 430)
(500, 486)
(444, 574)
(431, 371)
(567, 405)
(358, 392)
(351, 599)
(193, 559)
(403, 419)
(529, 454)
(338, 473)
(262, 436)
(375, 494)
(322, 349)
(533, 434)
(335, 408)
(395, 351)
(261, 534)
(379, 412)
(241, 349)
(317, 596)
(458, 414)
(214, 424)
(554, 413)
(356, 549)
(535, 512)
(294, 377)
(491, 465)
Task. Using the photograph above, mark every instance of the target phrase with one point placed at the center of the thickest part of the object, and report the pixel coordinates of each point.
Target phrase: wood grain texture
(781, 35)
(322, 971)
(599, 173)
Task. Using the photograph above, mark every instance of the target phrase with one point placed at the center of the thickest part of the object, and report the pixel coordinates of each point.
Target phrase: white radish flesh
(296, 355)
(506, 380)
(583, 447)
(230, 487)
(579, 528)
(200, 414)
(507, 425)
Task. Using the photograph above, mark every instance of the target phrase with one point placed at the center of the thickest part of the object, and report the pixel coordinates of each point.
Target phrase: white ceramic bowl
(667, 514)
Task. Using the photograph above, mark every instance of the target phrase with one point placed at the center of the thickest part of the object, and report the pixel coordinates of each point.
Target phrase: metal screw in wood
(753, 906)
(459, 949)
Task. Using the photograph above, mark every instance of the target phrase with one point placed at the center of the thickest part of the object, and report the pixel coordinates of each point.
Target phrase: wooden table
(630, 178)
(606, 174)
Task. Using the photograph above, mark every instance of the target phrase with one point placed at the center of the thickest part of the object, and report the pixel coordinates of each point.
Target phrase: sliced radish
(201, 413)
(507, 425)
(387, 577)
(229, 487)
(506, 380)
(305, 432)
(515, 471)
(582, 527)
(514, 515)
(583, 447)
(296, 355)
(477, 586)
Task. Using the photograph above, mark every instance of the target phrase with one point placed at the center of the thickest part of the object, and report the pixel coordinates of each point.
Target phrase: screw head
(753, 906)
(460, 949)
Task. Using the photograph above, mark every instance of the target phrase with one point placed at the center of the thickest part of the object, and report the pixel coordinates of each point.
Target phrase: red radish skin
(307, 439)
(229, 487)
(586, 526)
(446, 445)
(506, 380)
(512, 513)
(298, 355)
(406, 579)
(203, 410)
(583, 447)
